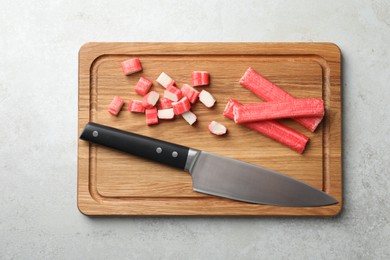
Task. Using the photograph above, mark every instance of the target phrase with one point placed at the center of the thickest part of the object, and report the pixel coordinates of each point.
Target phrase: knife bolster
(191, 159)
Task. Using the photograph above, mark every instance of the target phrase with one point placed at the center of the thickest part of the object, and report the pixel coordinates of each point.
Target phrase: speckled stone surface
(39, 42)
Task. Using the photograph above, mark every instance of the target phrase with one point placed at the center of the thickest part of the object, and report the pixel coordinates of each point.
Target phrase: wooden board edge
(328, 50)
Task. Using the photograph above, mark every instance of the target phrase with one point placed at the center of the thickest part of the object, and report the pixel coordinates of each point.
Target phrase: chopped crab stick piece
(115, 106)
(165, 103)
(304, 107)
(181, 106)
(131, 66)
(136, 106)
(268, 91)
(274, 130)
(143, 86)
(189, 117)
(206, 98)
(189, 92)
(151, 116)
(150, 99)
(217, 128)
(164, 80)
(173, 93)
(165, 113)
(200, 78)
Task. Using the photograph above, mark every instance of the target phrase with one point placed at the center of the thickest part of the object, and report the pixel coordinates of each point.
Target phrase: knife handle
(146, 147)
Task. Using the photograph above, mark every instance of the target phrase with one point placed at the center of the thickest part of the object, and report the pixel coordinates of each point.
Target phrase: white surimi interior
(189, 117)
(217, 128)
(153, 98)
(165, 113)
(206, 98)
(170, 96)
(164, 80)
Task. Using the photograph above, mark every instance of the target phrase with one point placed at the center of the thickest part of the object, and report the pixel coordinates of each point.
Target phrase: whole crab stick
(283, 134)
(268, 91)
(304, 107)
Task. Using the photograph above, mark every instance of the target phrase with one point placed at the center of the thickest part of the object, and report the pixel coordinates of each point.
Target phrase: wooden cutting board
(114, 183)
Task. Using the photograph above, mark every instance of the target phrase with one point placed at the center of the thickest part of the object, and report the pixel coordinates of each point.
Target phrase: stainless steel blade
(217, 175)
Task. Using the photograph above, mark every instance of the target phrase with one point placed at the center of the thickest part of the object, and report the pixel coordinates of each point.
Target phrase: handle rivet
(174, 154)
(95, 133)
(159, 150)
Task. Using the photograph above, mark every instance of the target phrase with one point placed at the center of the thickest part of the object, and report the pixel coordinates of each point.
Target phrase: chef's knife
(213, 174)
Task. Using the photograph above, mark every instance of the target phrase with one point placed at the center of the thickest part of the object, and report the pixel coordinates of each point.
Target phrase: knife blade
(211, 173)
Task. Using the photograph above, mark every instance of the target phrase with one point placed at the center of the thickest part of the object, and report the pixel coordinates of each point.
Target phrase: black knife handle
(147, 147)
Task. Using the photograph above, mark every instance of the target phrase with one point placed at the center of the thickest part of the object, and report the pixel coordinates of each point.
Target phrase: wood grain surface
(114, 183)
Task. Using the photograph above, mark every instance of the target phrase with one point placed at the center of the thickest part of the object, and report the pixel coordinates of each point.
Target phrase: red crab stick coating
(304, 107)
(151, 116)
(143, 86)
(165, 103)
(136, 106)
(173, 93)
(189, 92)
(115, 106)
(268, 91)
(181, 106)
(131, 66)
(200, 78)
(283, 134)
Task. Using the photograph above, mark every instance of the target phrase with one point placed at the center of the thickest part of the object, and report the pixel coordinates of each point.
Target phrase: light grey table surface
(39, 43)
